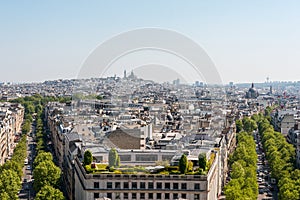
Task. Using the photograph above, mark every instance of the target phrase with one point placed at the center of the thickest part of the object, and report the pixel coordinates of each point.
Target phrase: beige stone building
(145, 186)
(11, 119)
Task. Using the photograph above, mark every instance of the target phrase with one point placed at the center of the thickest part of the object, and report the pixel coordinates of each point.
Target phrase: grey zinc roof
(73, 136)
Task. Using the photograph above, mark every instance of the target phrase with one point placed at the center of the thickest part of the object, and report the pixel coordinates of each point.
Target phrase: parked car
(261, 191)
(259, 179)
(269, 194)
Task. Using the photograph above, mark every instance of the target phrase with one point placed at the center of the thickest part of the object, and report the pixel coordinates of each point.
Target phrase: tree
(249, 125)
(38, 108)
(239, 126)
(10, 183)
(243, 184)
(41, 157)
(183, 164)
(46, 173)
(29, 108)
(268, 111)
(13, 165)
(190, 166)
(99, 97)
(237, 170)
(202, 161)
(250, 187)
(4, 196)
(288, 189)
(118, 162)
(48, 192)
(280, 156)
(26, 126)
(88, 157)
(256, 117)
(113, 158)
(19, 155)
(233, 190)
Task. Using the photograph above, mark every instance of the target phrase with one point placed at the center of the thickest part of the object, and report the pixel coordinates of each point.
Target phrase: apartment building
(145, 186)
(11, 118)
(293, 138)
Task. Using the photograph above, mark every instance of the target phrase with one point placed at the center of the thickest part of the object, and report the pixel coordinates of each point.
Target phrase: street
(266, 189)
(27, 191)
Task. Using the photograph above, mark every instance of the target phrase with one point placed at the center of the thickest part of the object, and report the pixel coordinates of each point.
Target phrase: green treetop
(48, 192)
(88, 157)
(183, 164)
(113, 158)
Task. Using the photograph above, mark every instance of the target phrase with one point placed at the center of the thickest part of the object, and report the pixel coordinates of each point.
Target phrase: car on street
(259, 179)
(269, 194)
(261, 191)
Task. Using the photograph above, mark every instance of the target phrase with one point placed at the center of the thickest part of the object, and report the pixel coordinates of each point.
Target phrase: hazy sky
(247, 40)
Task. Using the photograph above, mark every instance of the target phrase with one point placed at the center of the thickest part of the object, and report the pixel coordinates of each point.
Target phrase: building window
(197, 196)
(197, 186)
(142, 196)
(175, 186)
(134, 185)
(125, 195)
(158, 196)
(125, 157)
(146, 158)
(167, 195)
(183, 196)
(109, 195)
(125, 185)
(96, 195)
(175, 196)
(109, 185)
(96, 184)
(117, 185)
(142, 185)
(167, 157)
(118, 196)
(150, 196)
(183, 186)
(158, 185)
(133, 195)
(167, 186)
(150, 185)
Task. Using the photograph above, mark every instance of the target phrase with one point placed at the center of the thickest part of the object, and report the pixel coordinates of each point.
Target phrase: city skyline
(247, 41)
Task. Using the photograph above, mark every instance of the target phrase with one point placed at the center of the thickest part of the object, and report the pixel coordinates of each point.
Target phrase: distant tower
(271, 90)
(124, 73)
(252, 86)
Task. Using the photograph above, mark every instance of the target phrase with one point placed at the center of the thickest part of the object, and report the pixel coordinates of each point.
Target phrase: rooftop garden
(162, 167)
